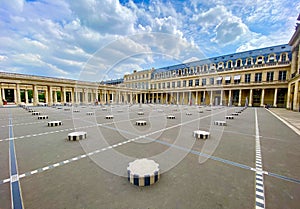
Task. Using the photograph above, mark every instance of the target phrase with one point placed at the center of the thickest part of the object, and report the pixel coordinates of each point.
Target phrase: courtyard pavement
(253, 162)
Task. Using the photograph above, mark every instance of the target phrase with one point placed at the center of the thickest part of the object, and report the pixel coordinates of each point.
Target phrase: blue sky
(103, 39)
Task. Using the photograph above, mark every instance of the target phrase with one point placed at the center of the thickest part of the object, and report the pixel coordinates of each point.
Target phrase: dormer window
(239, 63)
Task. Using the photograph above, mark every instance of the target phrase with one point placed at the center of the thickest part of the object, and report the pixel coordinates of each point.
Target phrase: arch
(229, 64)
(260, 60)
(205, 68)
(220, 65)
(272, 58)
(284, 57)
(239, 63)
(212, 66)
(249, 61)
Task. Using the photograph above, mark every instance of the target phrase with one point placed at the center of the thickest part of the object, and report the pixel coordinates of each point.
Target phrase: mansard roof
(239, 55)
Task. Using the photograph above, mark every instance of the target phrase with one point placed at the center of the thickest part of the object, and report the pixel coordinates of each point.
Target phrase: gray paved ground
(52, 177)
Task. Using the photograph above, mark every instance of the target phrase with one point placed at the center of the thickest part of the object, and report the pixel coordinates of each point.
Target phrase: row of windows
(141, 85)
(219, 80)
(134, 77)
(260, 60)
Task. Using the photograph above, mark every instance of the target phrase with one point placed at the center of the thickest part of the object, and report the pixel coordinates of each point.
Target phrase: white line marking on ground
(259, 190)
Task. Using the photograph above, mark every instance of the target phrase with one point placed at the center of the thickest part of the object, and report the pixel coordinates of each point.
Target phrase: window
(258, 77)
(259, 60)
(203, 81)
(249, 61)
(159, 86)
(184, 84)
(163, 85)
(227, 80)
(229, 64)
(270, 76)
(168, 85)
(284, 57)
(197, 82)
(282, 76)
(211, 81)
(219, 81)
(272, 58)
(247, 78)
(237, 79)
(190, 82)
(178, 83)
(239, 63)
(173, 84)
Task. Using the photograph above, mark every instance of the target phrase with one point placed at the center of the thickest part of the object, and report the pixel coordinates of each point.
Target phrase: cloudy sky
(103, 39)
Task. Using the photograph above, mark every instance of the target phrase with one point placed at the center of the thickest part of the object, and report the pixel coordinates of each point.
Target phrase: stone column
(26, 96)
(240, 98)
(229, 98)
(156, 98)
(190, 98)
(46, 96)
(221, 98)
(3, 94)
(275, 98)
(211, 98)
(64, 98)
(1, 99)
(152, 98)
(250, 97)
(18, 98)
(296, 102)
(183, 98)
(35, 95)
(15, 96)
(288, 102)
(55, 96)
(86, 96)
(177, 98)
(167, 98)
(145, 98)
(203, 98)
(262, 100)
(196, 103)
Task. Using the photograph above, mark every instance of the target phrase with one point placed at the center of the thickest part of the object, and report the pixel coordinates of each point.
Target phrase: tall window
(159, 86)
(173, 84)
(168, 85)
(282, 76)
(203, 81)
(163, 85)
(197, 82)
(211, 81)
(270, 76)
(184, 84)
(247, 78)
(190, 82)
(178, 83)
(258, 77)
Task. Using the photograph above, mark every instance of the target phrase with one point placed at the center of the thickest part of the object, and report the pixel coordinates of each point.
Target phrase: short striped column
(76, 136)
(54, 123)
(229, 117)
(143, 172)
(171, 117)
(201, 134)
(109, 117)
(220, 123)
(41, 117)
(36, 113)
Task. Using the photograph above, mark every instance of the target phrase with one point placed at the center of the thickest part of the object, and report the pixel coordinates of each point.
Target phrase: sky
(98, 40)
